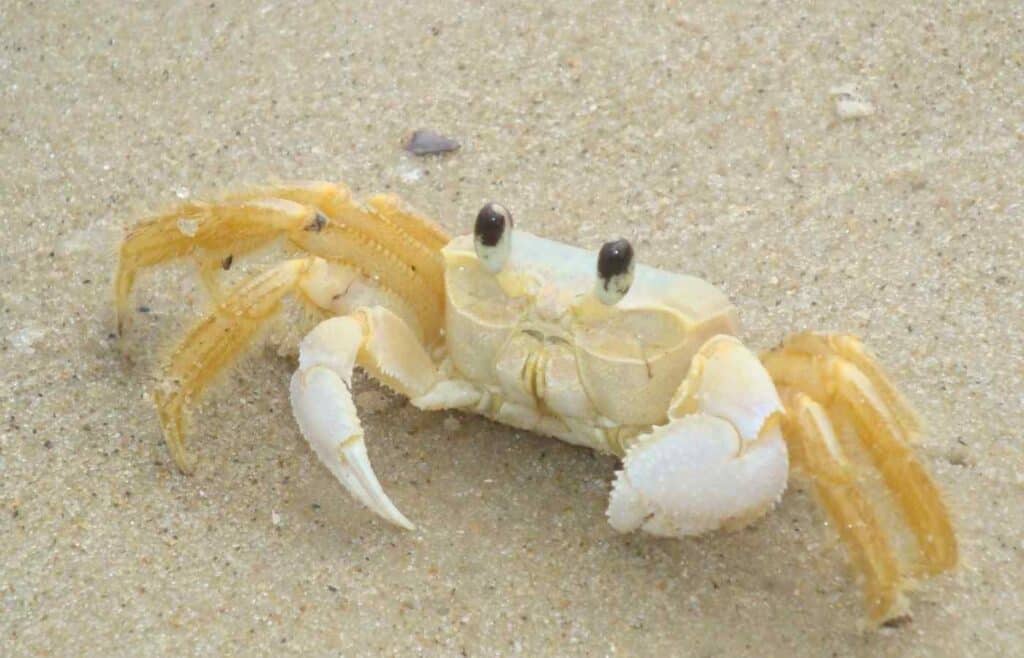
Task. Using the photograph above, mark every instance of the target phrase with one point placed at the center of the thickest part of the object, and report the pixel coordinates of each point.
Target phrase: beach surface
(856, 168)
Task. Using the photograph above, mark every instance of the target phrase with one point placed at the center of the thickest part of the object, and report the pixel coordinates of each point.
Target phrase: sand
(855, 168)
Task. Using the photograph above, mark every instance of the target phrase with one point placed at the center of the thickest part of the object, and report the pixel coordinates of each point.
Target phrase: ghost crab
(596, 351)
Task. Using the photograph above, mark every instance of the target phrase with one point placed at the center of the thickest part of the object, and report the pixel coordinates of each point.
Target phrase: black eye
(492, 236)
(614, 271)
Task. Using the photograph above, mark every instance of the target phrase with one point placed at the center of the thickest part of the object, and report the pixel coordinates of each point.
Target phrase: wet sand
(835, 168)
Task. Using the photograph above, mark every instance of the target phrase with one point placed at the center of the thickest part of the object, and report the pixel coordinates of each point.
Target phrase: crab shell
(536, 335)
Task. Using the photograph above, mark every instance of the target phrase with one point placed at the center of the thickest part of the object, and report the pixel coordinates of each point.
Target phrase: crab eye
(492, 236)
(614, 271)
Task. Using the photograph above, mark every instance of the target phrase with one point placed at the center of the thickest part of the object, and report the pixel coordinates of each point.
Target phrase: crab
(592, 349)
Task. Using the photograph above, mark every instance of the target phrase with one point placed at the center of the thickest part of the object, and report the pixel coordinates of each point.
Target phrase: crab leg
(215, 342)
(382, 241)
(815, 450)
(410, 271)
(217, 231)
(374, 254)
(831, 383)
(321, 394)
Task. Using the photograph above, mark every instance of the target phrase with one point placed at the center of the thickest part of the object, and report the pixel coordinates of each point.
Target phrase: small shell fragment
(850, 104)
(428, 142)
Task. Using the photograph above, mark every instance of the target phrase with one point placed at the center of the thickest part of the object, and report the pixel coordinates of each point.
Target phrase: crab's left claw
(322, 399)
(719, 462)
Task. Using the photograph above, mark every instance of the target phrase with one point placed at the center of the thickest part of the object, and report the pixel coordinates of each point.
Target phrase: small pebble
(408, 172)
(428, 142)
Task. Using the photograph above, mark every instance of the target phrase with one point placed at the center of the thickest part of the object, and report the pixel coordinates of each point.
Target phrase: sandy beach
(829, 166)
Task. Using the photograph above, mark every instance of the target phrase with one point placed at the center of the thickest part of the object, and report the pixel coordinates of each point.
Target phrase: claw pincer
(720, 461)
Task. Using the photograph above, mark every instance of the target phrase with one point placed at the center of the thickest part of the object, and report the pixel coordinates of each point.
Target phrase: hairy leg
(211, 232)
(853, 433)
(215, 342)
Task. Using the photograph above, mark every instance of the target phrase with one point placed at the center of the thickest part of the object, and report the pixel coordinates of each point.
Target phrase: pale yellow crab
(585, 347)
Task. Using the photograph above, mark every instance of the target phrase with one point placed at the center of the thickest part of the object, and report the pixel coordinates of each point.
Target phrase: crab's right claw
(321, 394)
(323, 407)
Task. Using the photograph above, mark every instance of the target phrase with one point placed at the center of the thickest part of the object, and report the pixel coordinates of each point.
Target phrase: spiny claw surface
(690, 477)
(719, 462)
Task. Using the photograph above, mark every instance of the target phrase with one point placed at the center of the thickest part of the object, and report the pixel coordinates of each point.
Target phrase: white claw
(728, 381)
(720, 461)
(323, 408)
(689, 477)
(354, 454)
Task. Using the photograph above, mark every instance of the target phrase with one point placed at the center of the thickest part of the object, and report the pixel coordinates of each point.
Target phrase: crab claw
(327, 418)
(322, 404)
(720, 461)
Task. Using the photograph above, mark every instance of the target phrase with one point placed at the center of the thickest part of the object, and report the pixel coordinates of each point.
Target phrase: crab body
(547, 357)
(621, 358)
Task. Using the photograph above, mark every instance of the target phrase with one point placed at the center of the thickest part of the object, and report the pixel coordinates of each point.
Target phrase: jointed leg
(852, 351)
(815, 449)
(419, 228)
(829, 383)
(364, 256)
(890, 451)
(400, 251)
(375, 338)
(218, 231)
(380, 238)
(215, 342)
